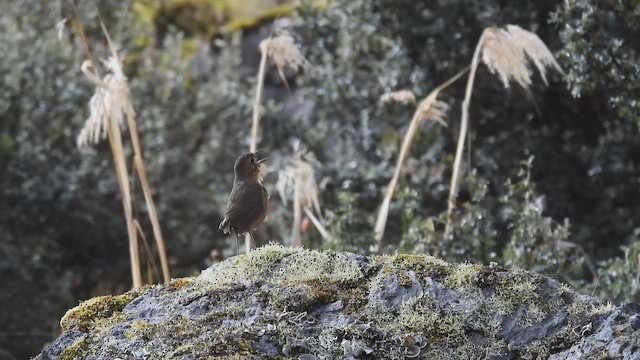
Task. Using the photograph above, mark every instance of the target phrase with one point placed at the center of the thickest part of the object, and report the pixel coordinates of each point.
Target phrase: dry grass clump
(108, 107)
(298, 180)
(507, 53)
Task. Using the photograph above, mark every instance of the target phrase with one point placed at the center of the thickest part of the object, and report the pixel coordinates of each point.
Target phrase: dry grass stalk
(139, 166)
(281, 48)
(506, 53)
(298, 179)
(108, 107)
(105, 117)
(429, 108)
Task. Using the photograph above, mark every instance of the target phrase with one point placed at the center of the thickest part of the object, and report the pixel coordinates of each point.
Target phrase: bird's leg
(237, 243)
(253, 241)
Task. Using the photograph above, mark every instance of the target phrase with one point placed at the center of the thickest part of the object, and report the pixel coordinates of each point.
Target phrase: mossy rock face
(85, 315)
(278, 302)
(206, 18)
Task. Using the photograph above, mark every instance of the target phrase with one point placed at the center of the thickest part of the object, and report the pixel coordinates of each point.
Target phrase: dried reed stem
(506, 53)
(107, 106)
(317, 223)
(115, 140)
(281, 48)
(255, 125)
(298, 178)
(464, 123)
(110, 126)
(429, 108)
(142, 174)
(296, 238)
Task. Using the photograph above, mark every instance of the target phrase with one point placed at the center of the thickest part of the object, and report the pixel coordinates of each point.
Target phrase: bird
(247, 205)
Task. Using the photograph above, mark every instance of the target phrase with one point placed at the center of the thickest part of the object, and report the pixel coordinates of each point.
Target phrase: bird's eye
(253, 159)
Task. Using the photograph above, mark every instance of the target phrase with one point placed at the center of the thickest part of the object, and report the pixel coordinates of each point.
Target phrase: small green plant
(621, 276)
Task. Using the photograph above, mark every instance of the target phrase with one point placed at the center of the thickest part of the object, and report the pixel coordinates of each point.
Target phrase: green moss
(180, 283)
(84, 315)
(300, 280)
(311, 265)
(463, 277)
(269, 14)
(355, 299)
(257, 264)
(138, 328)
(78, 350)
(321, 292)
(206, 18)
(584, 308)
(423, 265)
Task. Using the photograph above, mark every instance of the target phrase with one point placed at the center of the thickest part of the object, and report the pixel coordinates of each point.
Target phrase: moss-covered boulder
(279, 302)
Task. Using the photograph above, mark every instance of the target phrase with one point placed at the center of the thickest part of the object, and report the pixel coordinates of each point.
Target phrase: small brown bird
(248, 201)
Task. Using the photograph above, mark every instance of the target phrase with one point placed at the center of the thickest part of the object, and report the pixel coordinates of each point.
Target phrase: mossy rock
(206, 18)
(90, 311)
(280, 302)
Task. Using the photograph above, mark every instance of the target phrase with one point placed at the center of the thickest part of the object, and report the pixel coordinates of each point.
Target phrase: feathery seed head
(505, 53)
(281, 48)
(299, 176)
(108, 103)
(505, 57)
(403, 96)
(433, 110)
(535, 49)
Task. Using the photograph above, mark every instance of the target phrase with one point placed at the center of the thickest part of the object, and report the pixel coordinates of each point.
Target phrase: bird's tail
(224, 226)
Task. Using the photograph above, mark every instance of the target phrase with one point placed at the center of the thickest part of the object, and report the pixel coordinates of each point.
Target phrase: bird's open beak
(256, 154)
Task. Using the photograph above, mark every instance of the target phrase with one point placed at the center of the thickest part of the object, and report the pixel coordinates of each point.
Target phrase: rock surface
(278, 302)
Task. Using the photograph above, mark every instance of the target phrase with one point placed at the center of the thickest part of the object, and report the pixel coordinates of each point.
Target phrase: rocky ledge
(279, 302)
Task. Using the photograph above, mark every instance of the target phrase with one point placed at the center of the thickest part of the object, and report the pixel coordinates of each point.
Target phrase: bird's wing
(246, 206)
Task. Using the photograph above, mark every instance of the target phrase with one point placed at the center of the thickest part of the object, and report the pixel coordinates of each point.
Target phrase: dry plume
(108, 103)
(505, 53)
(429, 108)
(402, 96)
(281, 48)
(298, 180)
(108, 108)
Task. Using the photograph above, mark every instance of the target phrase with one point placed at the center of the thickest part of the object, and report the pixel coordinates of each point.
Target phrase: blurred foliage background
(553, 190)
